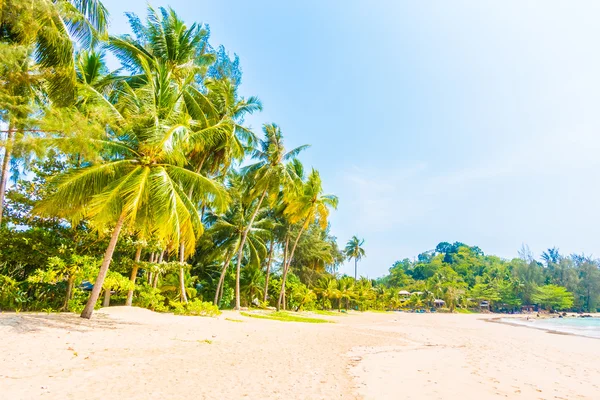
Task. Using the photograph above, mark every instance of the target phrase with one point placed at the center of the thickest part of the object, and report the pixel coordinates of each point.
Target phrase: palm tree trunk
(241, 250)
(289, 262)
(222, 279)
(134, 271)
(285, 256)
(157, 273)
(182, 273)
(268, 270)
(106, 301)
(284, 300)
(91, 303)
(70, 282)
(148, 273)
(5, 166)
(355, 268)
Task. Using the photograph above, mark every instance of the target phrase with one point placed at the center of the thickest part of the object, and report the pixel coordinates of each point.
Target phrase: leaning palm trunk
(5, 164)
(222, 280)
(241, 250)
(268, 271)
(134, 271)
(91, 303)
(182, 273)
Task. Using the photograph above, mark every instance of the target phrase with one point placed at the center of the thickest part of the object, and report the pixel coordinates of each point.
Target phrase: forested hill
(463, 275)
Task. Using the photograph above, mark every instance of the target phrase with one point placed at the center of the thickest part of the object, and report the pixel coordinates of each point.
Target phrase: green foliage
(151, 298)
(286, 317)
(12, 297)
(197, 308)
(553, 297)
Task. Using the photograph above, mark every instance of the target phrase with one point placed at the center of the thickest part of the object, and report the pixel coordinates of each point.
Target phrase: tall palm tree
(269, 174)
(308, 206)
(354, 250)
(183, 50)
(227, 229)
(144, 184)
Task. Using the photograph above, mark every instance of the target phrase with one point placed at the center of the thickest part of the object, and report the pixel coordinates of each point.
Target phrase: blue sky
(432, 121)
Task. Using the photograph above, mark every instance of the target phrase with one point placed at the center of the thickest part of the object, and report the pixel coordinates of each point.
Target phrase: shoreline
(505, 321)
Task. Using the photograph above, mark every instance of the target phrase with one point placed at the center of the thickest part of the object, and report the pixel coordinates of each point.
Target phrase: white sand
(136, 354)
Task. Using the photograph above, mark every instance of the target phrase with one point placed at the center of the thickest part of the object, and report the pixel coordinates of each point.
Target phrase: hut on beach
(439, 303)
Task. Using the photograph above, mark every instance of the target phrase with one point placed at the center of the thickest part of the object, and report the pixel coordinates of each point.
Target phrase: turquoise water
(589, 327)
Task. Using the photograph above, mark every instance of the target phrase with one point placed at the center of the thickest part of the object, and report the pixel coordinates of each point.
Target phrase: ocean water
(589, 327)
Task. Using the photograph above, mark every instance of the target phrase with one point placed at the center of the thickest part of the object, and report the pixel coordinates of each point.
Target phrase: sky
(431, 121)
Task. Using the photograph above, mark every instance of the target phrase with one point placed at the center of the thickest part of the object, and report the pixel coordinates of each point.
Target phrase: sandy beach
(136, 354)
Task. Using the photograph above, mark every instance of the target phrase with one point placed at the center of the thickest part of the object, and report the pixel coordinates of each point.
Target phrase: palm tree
(167, 41)
(144, 184)
(354, 250)
(252, 280)
(346, 288)
(39, 36)
(227, 229)
(308, 206)
(52, 29)
(327, 289)
(268, 175)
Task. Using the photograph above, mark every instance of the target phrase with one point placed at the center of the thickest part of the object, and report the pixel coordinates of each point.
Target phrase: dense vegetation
(144, 186)
(463, 277)
(130, 182)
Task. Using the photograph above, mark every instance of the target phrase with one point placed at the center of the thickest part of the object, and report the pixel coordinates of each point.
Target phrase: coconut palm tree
(38, 39)
(307, 207)
(346, 288)
(52, 28)
(227, 229)
(268, 175)
(354, 250)
(143, 184)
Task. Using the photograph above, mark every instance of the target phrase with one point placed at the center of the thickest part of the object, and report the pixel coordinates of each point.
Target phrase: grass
(464, 311)
(283, 316)
(326, 312)
(233, 320)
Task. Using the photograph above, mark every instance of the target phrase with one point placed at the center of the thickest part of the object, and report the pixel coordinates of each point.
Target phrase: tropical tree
(553, 297)
(306, 207)
(354, 251)
(268, 175)
(144, 184)
(227, 229)
(37, 41)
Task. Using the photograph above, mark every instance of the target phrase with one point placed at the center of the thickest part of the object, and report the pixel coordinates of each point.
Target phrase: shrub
(149, 297)
(196, 307)
(11, 295)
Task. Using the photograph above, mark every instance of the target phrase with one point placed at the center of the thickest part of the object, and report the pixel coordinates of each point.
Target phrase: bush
(78, 301)
(11, 295)
(196, 307)
(149, 297)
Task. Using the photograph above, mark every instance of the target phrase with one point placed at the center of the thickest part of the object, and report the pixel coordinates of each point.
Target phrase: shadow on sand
(31, 322)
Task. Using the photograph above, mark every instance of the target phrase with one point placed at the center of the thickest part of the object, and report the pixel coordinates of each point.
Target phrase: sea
(589, 327)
